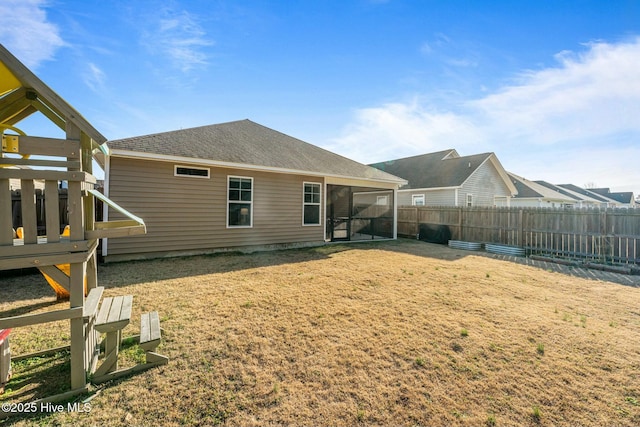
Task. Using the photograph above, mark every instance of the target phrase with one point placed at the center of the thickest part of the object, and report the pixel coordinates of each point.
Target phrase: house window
(469, 200)
(190, 171)
(240, 201)
(382, 201)
(311, 204)
(417, 200)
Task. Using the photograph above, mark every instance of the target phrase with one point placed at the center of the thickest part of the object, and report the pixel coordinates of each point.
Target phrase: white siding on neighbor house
(190, 214)
(537, 203)
(484, 184)
(441, 197)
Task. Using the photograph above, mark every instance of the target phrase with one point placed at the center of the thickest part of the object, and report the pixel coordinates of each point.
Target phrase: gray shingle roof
(559, 189)
(533, 189)
(431, 171)
(248, 143)
(585, 192)
(622, 197)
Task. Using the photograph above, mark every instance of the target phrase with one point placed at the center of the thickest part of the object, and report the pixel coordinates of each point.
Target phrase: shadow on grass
(443, 252)
(122, 274)
(38, 377)
(44, 376)
(18, 311)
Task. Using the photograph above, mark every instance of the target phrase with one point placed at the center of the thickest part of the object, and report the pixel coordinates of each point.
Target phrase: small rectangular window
(311, 203)
(469, 200)
(417, 199)
(191, 171)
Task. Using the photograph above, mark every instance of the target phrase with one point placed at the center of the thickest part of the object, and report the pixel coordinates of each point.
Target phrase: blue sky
(552, 87)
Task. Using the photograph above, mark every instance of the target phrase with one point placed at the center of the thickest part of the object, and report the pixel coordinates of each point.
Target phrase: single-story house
(583, 198)
(588, 195)
(624, 198)
(242, 186)
(445, 178)
(532, 194)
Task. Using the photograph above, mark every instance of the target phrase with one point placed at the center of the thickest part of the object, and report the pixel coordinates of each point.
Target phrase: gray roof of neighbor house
(442, 169)
(560, 190)
(585, 192)
(532, 189)
(622, 197)
(246, 143)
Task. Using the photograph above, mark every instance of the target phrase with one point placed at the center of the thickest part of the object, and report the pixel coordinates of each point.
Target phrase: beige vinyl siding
(189, 214)
(484, 184)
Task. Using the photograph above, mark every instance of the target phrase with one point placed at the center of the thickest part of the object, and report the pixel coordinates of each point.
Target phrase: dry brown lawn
(395, 333)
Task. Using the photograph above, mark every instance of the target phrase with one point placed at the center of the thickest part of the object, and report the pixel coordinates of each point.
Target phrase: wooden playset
(67, 258)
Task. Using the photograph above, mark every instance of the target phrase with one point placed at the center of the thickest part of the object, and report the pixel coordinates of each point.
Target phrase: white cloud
(27, 33)
(178, 37)
(590, 95)
(577, 117)
(400, 129)
(94, 77)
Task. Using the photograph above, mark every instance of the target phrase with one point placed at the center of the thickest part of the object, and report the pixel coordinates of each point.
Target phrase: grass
(536, 414)
(353, 334)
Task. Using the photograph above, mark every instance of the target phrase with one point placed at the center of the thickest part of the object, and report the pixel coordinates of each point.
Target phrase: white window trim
(416, 196)
(175, 172)
(240, 201)
(385, 200)
(319, 184)
(469, 200)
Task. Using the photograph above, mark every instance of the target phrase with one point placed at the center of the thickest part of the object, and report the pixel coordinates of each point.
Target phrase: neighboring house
(600, 200)
(242, 186)
(445, 178)
(625, 199)
(583, 198)
(532, 194)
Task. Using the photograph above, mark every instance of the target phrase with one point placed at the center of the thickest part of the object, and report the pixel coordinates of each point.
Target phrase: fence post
(521, 228)
(460, 223)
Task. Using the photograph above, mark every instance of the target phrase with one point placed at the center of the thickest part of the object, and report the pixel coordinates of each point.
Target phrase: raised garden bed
(468, 246)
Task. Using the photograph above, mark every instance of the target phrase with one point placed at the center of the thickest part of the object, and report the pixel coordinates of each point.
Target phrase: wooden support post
(92, 271)
(51, 204)
(74, 205)
(6, 224)
(78, 272)
(78, 368)
(29, 218)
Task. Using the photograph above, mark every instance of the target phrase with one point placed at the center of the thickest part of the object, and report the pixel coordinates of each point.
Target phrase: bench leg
(155, 358)
(110, 363)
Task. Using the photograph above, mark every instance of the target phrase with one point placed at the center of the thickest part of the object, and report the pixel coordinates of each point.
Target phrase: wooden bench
(114, 315)
(149, 339)
(91, 303)
(150, 335)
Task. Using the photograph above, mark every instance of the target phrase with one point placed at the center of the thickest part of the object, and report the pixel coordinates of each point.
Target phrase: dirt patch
(394, 333)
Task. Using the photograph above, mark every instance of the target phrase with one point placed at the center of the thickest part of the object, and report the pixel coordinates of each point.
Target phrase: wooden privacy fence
(41, 209)
(603, 235)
